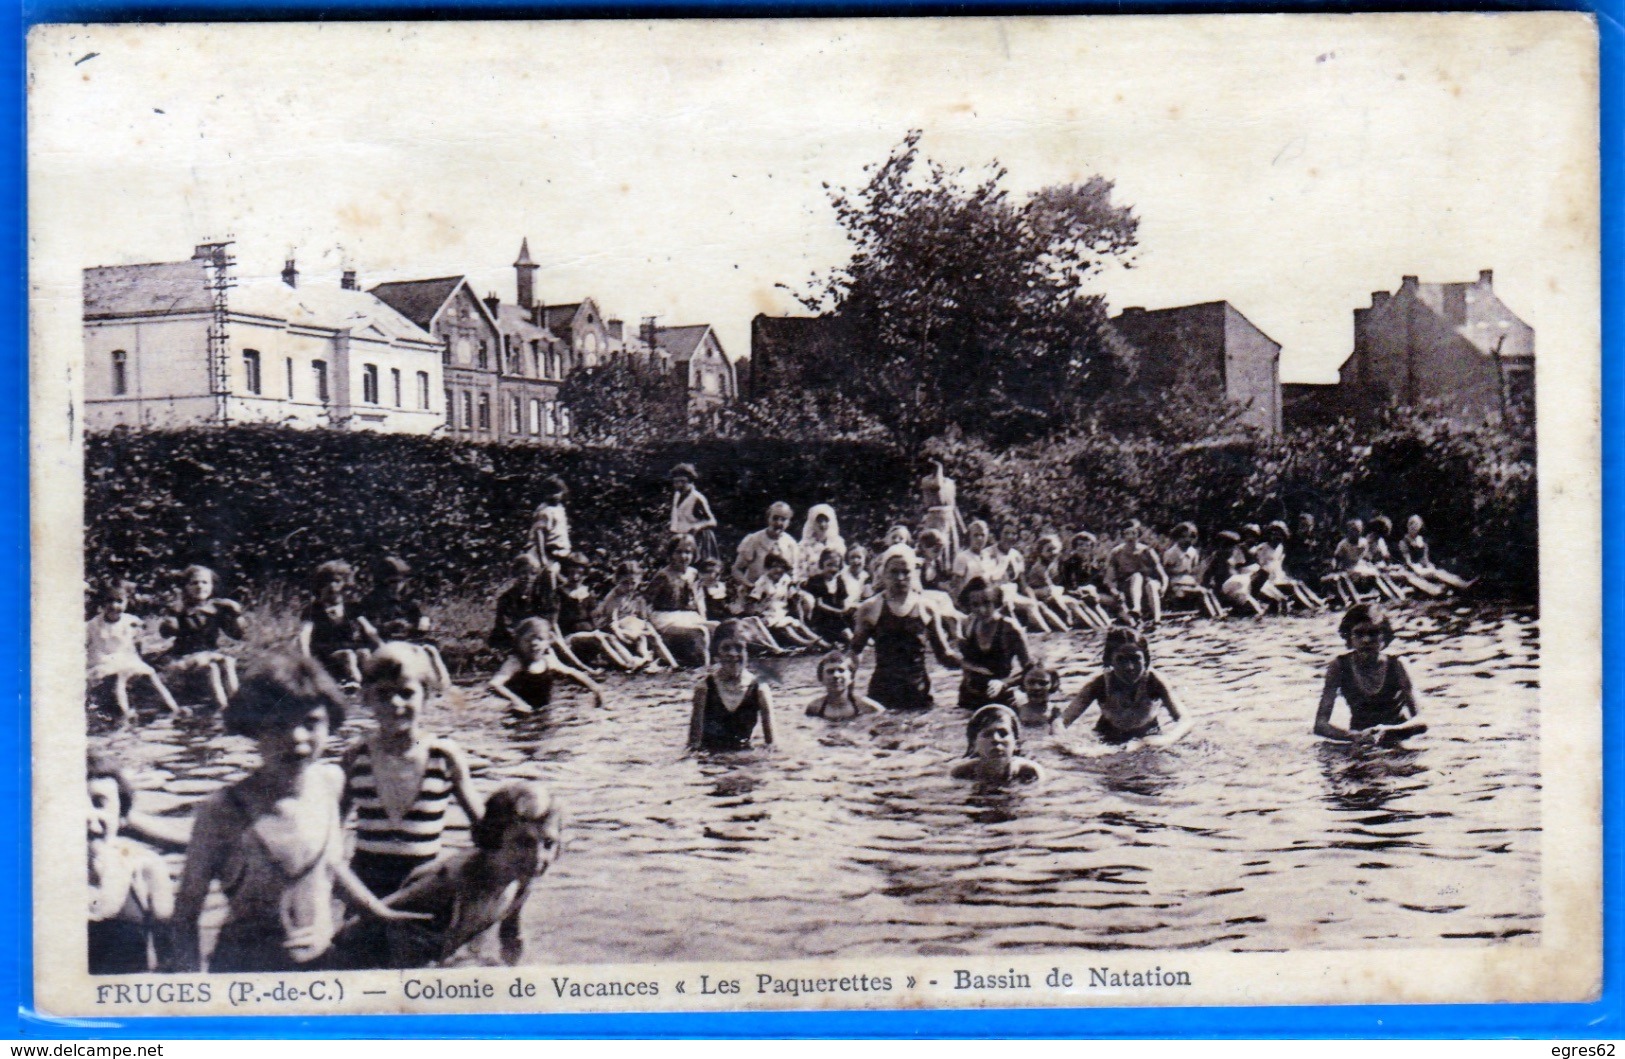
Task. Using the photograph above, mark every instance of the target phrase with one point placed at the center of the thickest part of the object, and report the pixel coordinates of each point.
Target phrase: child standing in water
(331, 630)
(465, 894)
(400, 780)
(1381, 702)
(274, 840)
(526, 676)
(197, 622)
(691, 512)
(903, 627)
(131, 895)
(831, 615)
(1413, 552)
(111, 651)
(1128, 691)
(993, 738)
(840, 700)
(992, 650)
(729, 702)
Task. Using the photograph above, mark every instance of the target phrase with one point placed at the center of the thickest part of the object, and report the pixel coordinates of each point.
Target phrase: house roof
(130, 290)
(418, 299)
(180, 287)
(515, 320)
(683, 340)
(557, 316)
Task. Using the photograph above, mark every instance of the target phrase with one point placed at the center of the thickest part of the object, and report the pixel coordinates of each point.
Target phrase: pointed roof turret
(524, 254)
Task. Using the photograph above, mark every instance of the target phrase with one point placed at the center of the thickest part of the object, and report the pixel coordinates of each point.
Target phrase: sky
(1288, 164)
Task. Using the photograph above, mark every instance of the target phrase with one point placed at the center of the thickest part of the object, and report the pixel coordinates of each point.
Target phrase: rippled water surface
(1249, 834)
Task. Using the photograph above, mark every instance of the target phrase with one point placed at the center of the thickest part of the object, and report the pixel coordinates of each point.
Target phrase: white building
(328, 356)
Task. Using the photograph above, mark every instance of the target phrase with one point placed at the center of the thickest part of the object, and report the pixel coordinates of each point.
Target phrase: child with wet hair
(332, 630)
(840, 700)
(1131, 695)
(1034, 698)
(275, 840)
(111, 652)
(992, 740)
(527, 676)
(197, 623)
(400, 780)
(464, 894)
(1376, 687)
(131, 894)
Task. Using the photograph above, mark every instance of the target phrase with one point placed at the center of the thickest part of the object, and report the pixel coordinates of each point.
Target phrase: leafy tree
(627, 401)
(963, 303)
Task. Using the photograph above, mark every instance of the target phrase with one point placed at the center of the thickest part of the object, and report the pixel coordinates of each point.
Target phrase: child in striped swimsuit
(398, 779)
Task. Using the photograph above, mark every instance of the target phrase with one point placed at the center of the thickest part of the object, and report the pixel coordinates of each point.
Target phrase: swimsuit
(830, 591)
(1367, 709)
(725, 729)
(999, 657)
(118, 943)
(900, 681)
(388, 850)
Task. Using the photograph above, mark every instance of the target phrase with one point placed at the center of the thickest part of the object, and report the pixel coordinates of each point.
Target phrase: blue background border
(1599, 1020)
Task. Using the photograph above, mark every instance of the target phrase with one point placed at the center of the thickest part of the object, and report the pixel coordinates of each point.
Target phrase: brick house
(1453, 347)
(699, 366)
(1213, 351)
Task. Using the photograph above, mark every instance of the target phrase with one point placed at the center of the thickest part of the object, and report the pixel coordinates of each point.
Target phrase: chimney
(492, 302)
(290, 274)
(1407, 283)
(1378, 297)
(348, 281)
(525, 276)
(1486, 277)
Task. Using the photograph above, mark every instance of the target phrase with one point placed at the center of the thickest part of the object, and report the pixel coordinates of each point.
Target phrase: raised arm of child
(1086, 697)
(578, 678)
(1328, 699)
(369, 631)
(204, 855)
(499, 681)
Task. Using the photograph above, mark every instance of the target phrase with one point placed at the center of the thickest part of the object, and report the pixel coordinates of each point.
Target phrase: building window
(468, 410)
(121, 373)
(516, 415)
(318, 369)
(536, 357)
(551, 426)
(451, 409)
(445, 351)
(290, 378)
(423, 391)
(369, 384)
(251, 371)
(564, 422)
(485, 356)
(535, 416)
(485, 411)
(395, 383)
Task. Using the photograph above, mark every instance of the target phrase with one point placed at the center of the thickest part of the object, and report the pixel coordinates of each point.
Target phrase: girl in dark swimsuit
(902, 626)
(1129, 692)
(526, 678)
(1382, 705)
(729, 702)
(993, 649)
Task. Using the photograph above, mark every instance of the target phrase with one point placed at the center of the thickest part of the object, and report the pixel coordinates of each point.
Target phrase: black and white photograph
(707, 514)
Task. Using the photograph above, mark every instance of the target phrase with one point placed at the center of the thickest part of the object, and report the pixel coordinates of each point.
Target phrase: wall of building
(1252, 371)
(1408, 350)
(710, 376)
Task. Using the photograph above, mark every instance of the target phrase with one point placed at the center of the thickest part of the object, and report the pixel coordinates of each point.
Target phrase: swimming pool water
(849, 839)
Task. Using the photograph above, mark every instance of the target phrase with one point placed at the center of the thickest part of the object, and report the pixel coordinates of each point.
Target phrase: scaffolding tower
(217, 263)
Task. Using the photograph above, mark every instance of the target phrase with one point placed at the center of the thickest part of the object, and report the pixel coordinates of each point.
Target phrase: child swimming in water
(1129, 692)
(729, 701)
(464, 894)
(527, 676)
(993, 649)
(131, 894)
(993, 738)
(1034, 701)
(274, 840)
(840, 700)
(1381, 702)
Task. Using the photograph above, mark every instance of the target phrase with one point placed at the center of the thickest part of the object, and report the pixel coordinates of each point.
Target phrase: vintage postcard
(770, 514)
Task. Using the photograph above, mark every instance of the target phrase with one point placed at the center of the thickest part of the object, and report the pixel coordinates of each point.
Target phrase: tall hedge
(264, 505)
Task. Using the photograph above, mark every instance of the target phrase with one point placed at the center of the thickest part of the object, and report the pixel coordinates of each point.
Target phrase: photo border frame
(1601, 1019)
